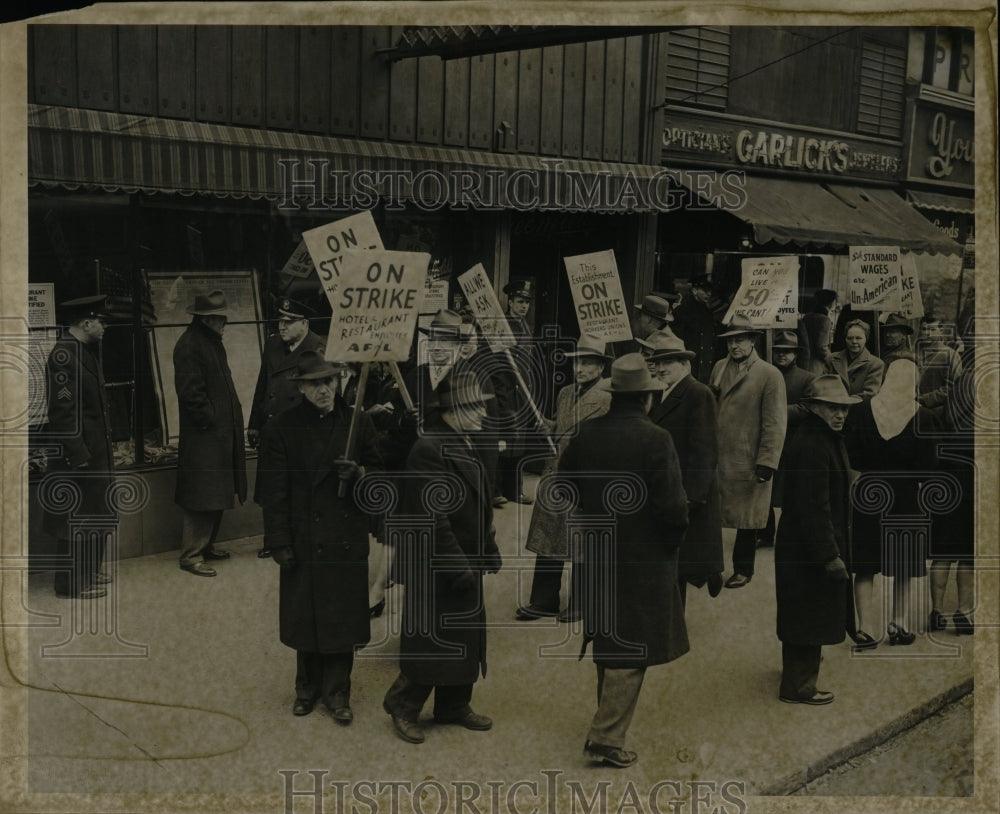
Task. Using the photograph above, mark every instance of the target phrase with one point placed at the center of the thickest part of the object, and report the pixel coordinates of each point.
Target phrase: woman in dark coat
(811, 580)
(860, 371)
(888, 440)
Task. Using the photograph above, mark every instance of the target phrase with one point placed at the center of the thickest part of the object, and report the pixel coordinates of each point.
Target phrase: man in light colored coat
(752, 422)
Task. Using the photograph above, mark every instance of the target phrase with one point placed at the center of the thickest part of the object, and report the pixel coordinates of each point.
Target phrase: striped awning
(96, 150)
(941, 202)
(820, 215)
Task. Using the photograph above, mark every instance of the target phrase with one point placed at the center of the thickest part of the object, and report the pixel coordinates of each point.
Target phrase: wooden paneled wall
(573, 101)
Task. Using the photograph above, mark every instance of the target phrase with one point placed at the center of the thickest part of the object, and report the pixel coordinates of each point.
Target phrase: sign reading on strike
(769, 292)
(377, 301)
(911, 304)
(875, 273)
(300, 264)
(597, 295)
(327, 245)
(485, 305)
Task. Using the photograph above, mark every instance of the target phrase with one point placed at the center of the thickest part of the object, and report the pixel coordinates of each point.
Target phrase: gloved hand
(348, 470)
(253, 438)
(464, 582)
(764, 473)
(835, 569)
(284, 556)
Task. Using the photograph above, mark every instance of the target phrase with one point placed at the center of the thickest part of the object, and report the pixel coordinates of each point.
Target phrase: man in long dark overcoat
(442, 645)
(811, 580)
(319, 539)
(623, 467)
(686, 410)
(694, 323)
(211, 455)
(79, 420)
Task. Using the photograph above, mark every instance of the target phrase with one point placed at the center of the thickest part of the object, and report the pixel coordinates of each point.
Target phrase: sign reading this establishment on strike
(375, 309)
(485, 305)
(328, 244)
(597, 296)
(876, 274)
(768, 293)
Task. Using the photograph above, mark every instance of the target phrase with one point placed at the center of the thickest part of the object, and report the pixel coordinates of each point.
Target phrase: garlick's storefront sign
(718, 140)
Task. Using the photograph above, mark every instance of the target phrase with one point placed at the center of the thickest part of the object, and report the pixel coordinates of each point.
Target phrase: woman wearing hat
(813, 540)
(576, 403)
(858, 369)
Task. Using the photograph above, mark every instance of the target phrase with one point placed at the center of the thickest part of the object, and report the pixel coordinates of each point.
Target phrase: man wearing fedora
(319, 539)
(896, 331)
(811, 580)
(516, 416)
(784, 356)
(752, 421)
(654, 314)
(442, 644)
(695, 323)
(211, 456)
(578, 402)
(621, 465)
(686, 409)
(79, 420)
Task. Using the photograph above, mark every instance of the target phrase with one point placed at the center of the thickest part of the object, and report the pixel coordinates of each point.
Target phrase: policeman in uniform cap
(79, 420)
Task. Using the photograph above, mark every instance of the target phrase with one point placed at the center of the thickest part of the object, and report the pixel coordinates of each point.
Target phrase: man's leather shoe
(817, 699)
(525, 613)
(714, 583)
(499, 502)
(342, 715)
(570, 615)
(470, 720)
(86, 593)
(100, 578)
(199, 569)
(737, 581)
(303, 706)
(215, 554)
(522, 498)
(409, 731)
(263, 554)
(611, 755)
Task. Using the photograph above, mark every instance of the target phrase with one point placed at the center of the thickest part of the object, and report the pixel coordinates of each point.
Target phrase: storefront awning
(820, 215)
(940, 201)
(76, 148)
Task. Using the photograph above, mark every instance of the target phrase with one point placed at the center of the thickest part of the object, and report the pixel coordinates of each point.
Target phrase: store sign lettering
(951, 229)
(793, 152)
(942, 138)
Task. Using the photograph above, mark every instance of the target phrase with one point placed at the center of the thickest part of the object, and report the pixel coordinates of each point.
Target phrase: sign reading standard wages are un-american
(597, 296)
(375, 308)
(876, 273)
(328, 243)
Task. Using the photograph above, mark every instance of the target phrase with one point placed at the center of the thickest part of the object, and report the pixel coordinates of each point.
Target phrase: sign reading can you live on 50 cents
(597, 296)
(375, 309)
(876, 274)
(769, 292)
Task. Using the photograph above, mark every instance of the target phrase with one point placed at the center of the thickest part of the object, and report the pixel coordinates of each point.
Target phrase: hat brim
(582, 354)
(667, 355)
(606, 384)
(668, 317)
(208, 312)
(327, 372)
(784, 347)
(741, 332)
(836, 399)
(447, 333)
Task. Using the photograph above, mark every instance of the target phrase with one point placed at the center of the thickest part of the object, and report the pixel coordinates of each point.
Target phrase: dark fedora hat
(664, 346)
(829, 388)
(461, 389)
(292, 309)
(897, 322)
(313, 366)
(520, 288)
(740, 325)
(629, 374)
(786, 339)
(447, 324)
(592, 346)
(93, 307)
(209, 304)
(656, 307)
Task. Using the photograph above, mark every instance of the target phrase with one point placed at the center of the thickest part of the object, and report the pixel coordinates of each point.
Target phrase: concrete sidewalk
(191, 695)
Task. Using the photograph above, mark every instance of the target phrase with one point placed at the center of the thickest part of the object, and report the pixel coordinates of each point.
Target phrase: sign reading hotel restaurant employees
(375, 308)
(597, 296)
(328, 243)
(768, 293)
(876, 274)
(485, 305)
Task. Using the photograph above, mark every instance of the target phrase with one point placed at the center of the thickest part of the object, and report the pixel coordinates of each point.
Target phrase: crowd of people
(662, 442)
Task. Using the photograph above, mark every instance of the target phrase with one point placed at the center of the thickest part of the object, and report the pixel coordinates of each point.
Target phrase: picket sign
(534, 408)
(359, 403)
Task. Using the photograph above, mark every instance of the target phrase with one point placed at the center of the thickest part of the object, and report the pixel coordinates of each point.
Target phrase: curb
(795, 781)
